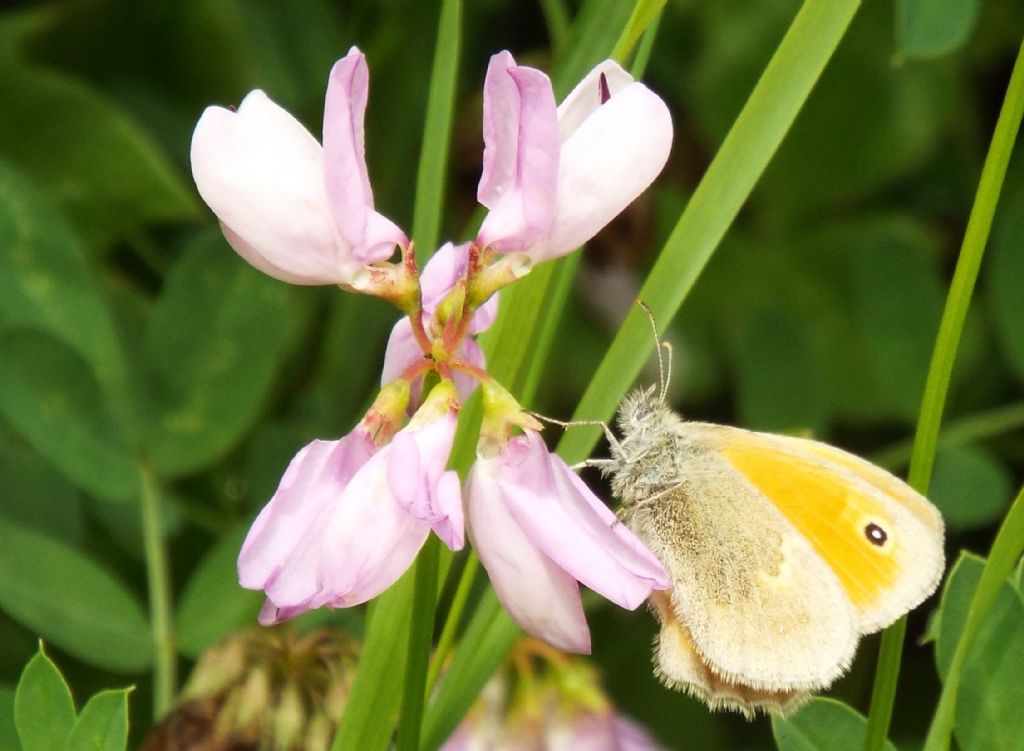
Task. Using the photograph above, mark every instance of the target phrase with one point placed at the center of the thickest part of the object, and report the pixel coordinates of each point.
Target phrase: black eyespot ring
(875, 534)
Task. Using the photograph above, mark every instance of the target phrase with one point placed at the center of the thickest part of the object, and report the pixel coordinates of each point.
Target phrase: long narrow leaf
(939, 373)
(755, 136)
(430, 179)
(384, 680)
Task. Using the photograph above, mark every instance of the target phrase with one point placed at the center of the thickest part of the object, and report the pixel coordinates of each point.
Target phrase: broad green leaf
(778, 374)
(216, 341)
(970, 486)
(69, 600)
(46, 283)
(896, 306)
(1006, 269)
(948, 620)
(122, 523)
(957, 643)
(863, 108)
(347, 371)
(88, 154)
(103, 723)
(48, 394)
(213, 604)
(43, 710)
(988, 713)
(822, 725)
(33, 495)
(8, 733)
(929, 28)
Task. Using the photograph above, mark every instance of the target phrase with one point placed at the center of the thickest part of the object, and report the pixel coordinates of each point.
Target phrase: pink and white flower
(553, 177)
(539, 530)
(298, 212)
(349, 518)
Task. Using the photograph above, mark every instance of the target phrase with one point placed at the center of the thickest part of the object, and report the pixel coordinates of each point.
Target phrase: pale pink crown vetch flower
(350, 515)
(297, 212)
(539, 530)
(349, 518)
(553, 177)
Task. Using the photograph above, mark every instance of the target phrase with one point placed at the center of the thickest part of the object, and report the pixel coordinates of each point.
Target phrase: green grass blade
(936, 387)
(516, 348)
(755, 136)
(372, 708)
(421, 631)
(430, 179)
(488, 639)
(385, 678)
(645, 13)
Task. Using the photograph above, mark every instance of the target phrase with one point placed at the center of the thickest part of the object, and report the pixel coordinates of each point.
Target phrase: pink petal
(501, 126)
(585, 731)
(605, 164)
(312, 481)
(361, 543)
(402, 352)
(261, 173)
(449, 525)
(417, 477)
(632, 736)
(521, 157)
(444, 269)
(468, 351)
(347, 184)
(560, 515)
(484, 316)
(536, 592)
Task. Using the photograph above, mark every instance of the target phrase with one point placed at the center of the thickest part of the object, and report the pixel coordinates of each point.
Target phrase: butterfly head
(643, 460)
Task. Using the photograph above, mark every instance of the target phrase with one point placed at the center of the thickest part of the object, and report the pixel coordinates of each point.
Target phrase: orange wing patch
(848, 528)
(893, 487)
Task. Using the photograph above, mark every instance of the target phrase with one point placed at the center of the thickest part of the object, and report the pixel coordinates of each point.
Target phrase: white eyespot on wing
(762, 608)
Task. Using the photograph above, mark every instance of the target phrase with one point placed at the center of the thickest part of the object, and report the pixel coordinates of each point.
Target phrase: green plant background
(140, 358)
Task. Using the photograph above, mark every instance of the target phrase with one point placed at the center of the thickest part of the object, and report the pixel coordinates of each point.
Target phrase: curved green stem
(941, 370)
(165, 663)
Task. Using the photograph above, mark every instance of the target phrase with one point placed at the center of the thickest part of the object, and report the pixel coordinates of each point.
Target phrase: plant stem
(165, 663)
(941, 369)
(421, 631)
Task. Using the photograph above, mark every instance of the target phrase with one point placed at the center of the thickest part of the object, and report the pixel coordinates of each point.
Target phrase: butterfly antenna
(662, 376)
(576, 423)
(668, 370)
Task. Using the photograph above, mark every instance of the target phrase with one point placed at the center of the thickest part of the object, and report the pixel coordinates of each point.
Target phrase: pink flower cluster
(350, 515)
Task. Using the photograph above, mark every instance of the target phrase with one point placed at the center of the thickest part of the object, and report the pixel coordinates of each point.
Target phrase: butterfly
(782, 553)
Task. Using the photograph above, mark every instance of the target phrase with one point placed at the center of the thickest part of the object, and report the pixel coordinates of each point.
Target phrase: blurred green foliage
(132, 337)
